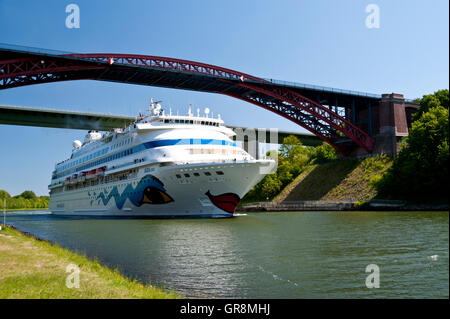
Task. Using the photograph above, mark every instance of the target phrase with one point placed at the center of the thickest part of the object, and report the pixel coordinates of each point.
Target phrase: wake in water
(276, 277)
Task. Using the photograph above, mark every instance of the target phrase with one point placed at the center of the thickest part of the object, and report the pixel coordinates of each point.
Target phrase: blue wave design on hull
(149, 190)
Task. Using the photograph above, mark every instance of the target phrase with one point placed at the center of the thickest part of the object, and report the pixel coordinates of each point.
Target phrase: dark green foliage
(325, 153)
(420, 171)
(27, 199)
(438, 99)
(27, 195)
(292, 159)
(4, 194)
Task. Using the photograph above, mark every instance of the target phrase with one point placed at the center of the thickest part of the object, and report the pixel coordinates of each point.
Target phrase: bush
(420, 171)
(292, 160)
(324, 153)
(27, 199)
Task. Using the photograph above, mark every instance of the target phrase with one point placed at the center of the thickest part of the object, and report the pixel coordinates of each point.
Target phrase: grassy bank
(337, 180)
(32, 268)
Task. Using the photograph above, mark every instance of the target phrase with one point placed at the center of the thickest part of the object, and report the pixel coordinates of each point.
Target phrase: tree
(437, 99)
(28, 195)
(325, 152)
(271, 187)
(420, 171)
(4, 194)
(291, 145)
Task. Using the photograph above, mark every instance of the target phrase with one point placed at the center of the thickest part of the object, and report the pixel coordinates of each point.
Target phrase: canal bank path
(33, 268)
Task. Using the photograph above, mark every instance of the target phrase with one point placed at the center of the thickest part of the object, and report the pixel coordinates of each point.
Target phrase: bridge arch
(34, 68)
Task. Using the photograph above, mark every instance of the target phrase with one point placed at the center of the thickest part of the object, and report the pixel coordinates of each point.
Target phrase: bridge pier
(387, 123)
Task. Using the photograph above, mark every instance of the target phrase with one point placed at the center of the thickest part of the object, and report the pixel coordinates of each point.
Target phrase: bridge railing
(323, 88)
(27, 49)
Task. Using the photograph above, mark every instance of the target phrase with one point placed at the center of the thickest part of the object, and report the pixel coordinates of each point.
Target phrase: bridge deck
(28, 116)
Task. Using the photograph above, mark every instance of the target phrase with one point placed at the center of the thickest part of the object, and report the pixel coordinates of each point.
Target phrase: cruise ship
(161, 165)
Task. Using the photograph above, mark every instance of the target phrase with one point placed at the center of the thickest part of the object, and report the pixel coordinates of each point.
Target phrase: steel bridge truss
(167, 72)
(316, 118)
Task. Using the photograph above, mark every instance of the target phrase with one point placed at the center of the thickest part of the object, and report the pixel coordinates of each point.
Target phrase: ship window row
(222, 151)
(181, 121)
(198, 174)
(122, 143)
(153, 144)
(96, 154)
(84, 159)
(97, 162)
(137, 148)
(89, 149)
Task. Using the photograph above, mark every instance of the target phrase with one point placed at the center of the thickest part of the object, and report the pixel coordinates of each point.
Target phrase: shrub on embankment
(420, 171)
(293, 159)
(351, 179)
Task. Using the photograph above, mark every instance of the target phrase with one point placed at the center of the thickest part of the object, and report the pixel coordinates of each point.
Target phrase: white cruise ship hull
(164, 191)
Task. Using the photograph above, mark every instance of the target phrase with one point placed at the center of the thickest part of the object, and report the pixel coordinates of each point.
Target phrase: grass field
(31, 268)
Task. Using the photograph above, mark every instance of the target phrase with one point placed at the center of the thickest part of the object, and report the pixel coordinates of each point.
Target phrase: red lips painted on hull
(227, 201)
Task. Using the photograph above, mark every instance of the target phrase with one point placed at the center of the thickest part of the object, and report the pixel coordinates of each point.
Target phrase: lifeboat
(82, 177)
(74, 179)
(100, 171)
(91, 174)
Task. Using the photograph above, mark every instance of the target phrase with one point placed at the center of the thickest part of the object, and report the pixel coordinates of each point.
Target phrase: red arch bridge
(347, 120)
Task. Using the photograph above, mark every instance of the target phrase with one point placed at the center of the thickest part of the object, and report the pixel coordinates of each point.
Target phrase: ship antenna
(152, 106)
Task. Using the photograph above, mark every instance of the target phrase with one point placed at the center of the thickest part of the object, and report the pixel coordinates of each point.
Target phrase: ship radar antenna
(198, 112)
(190, 110)
(206, 111)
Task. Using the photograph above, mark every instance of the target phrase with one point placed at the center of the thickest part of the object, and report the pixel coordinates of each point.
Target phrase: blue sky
(322, 42)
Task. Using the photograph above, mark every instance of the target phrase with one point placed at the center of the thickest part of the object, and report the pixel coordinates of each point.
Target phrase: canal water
(267, 255)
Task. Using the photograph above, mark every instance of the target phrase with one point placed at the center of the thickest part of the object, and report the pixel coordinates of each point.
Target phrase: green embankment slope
(338, 180)
(30, 268)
